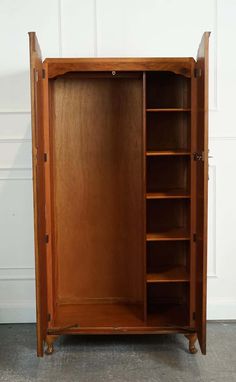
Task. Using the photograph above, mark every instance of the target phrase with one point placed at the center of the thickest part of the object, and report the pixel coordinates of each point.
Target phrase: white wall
(112, 28)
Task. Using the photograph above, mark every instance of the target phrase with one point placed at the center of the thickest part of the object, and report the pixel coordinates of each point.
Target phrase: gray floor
(118, 358)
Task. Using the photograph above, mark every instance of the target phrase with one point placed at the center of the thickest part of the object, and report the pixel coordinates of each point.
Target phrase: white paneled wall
(112, 28)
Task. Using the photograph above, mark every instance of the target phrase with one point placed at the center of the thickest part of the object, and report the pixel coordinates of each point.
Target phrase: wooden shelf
(167, 274)
(100, 314)
(119, 318)
(168, 194)
(168, 110)
(168, 235)
(168, 152)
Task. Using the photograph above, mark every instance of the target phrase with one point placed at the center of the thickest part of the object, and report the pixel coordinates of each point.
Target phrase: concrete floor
(157, 358)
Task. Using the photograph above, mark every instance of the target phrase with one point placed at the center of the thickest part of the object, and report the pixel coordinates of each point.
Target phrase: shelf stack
(168, 198)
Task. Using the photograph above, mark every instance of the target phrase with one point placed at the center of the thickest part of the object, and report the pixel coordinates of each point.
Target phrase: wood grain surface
(39, 189)
(97, 152)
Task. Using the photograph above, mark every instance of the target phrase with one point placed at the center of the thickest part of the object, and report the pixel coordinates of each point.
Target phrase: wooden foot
(192, 339)
(50, 339)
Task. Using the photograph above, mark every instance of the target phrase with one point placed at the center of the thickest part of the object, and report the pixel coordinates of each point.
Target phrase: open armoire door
(38, 189)
(120, 195)
(202, 188)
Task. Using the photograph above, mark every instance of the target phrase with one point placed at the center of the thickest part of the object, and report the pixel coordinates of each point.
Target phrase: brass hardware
(113, 72)
(198, 156)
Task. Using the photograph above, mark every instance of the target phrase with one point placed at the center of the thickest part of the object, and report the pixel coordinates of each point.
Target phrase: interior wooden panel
(168, 255)
(102, 315)
(168, 294)
(167, 90)
(168, 315)
(168, 302)
(168, 131)
(168, 173)
(125, 318)
(167, 214)
(96, 128)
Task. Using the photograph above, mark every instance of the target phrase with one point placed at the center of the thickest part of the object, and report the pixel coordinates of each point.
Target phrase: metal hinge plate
(194, 316)
(45, 157)
(49, 317)
(43, 74)
(197, 72)
(198, 156)
(36, 75)
(46, 238)
(194, 237)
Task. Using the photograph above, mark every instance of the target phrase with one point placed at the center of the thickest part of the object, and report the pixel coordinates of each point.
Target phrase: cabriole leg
(50, 339)
(192, 339)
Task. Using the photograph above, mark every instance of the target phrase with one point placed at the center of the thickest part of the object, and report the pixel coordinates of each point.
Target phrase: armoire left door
(38, 189)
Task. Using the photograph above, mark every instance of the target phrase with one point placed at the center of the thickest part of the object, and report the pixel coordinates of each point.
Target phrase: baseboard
(221, 310)
(17, 312)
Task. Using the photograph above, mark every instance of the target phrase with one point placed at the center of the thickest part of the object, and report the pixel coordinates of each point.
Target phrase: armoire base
(192, 338)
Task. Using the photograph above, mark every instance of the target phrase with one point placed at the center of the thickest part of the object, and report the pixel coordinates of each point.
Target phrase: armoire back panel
(97, 166)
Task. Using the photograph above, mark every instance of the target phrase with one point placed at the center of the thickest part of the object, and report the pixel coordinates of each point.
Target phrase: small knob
(113, 72)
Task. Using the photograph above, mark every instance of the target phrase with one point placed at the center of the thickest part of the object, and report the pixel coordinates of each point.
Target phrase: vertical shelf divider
(192, 265)
(144, 199)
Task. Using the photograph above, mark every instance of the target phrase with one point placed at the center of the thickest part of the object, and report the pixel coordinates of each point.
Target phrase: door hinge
(49, 317)
(36, 75)
(43, 74)
(46, 238)
(45, 157)
(194, 237)
(194, 316)
(197, 72)
(198, 156)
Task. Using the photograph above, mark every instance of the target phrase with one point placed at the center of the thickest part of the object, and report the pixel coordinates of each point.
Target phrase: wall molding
(221, 309)
(95, 28)
(17, 311)
(15, 173)
(15, 140)
(15, 168)
(222, 138)
(15, 111)
(215, 58)
(16, 178)
(212, 221)
(17, 273)
(59, 5)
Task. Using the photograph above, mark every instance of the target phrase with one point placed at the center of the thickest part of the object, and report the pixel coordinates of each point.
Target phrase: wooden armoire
(120, 172)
